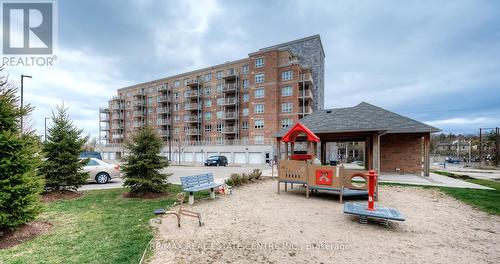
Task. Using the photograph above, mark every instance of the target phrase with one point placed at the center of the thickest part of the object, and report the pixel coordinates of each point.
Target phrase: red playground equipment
(371, 211)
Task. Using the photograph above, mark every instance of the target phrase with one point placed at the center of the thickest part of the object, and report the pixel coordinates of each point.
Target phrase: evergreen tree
(20, 185)
(143, 163)
(62, 168)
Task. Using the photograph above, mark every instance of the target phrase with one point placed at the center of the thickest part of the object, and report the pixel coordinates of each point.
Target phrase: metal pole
(470, 149)
(480, 147)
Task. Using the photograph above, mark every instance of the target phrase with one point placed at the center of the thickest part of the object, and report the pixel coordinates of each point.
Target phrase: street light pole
(22, 97)
(45, 133)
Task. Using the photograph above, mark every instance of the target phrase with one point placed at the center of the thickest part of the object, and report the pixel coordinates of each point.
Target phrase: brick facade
(403, 151)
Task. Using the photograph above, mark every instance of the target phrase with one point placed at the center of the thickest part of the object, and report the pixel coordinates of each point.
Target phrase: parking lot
(220, 174)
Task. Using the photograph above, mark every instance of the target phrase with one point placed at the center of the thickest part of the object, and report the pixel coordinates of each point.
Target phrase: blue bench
(197, 183)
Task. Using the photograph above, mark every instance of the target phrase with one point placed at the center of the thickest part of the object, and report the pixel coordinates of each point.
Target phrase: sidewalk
(432, 180)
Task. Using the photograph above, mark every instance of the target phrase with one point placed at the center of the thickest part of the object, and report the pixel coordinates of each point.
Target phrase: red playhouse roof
(298, 129)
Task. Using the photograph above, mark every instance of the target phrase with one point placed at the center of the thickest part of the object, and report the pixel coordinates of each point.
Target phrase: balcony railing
(303, 110)
(191, 94)
(229, 115)
(140, 94)
(306, 94)
(104, 118)
(231, 87)
(306, 78)
(163, 98)
(230, 74)
(138, 124)
(117, 126)
(103, 110)
(163, 133)
(117, 136)
(138, 113)
(139, 104)
(192, 119)
(193, 82)
(229, 101)
(117, 106)
(162, 110)
(117, 117)
(117, 98)
(163, 87)
(191, 106)
(192, 132)
(104, 127)
(163, 122)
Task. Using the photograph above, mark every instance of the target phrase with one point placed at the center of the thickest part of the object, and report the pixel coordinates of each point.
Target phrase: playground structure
(180, 212)
(301, 169)
(364, 212)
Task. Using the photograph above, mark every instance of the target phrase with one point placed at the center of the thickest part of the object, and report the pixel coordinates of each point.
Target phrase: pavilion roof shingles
(361, 118)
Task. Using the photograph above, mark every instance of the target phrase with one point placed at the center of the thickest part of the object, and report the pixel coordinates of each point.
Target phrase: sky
(435, 61)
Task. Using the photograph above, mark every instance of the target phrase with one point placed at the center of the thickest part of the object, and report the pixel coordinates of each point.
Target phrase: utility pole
(497, 143)
(470, 149)
(45, 133)
(22, 97)
(480, 147)
(458, 147)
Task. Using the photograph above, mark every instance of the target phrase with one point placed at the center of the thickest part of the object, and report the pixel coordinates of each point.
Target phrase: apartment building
(233, 109)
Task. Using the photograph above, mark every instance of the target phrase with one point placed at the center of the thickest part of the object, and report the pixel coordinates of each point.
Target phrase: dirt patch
(60, 195)
(24, 233)
(146, 195)
(256, 225)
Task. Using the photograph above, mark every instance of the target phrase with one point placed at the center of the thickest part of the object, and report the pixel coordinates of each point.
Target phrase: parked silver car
(101, 171)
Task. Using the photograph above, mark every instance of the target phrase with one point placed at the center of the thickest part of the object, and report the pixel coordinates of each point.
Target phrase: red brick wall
(403, 151)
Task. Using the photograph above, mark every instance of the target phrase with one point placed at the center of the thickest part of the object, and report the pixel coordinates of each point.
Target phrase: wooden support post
(307, 191)
(286, 186)
(323, 152)
(376, 153)
(278, 187)
(212, 193)
(286, 150)
(427, 146)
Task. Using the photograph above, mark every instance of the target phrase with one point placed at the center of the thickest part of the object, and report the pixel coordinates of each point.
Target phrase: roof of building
(285, 44)
(363, 117)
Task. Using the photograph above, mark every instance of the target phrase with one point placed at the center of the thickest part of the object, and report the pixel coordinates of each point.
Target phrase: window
(208, 115)
(286, 107)
(176, 107)
(186, 82)
(259, 139)
(286, 91)
(245, 111)
(207, 90)
(259, 109)
(177, 84)
(208, 103)
(259, 62)
(246, 83)
(244, 69)
(219, 87)
(176, 95)
(208, 77)
(92, 163)
(176, 130)
(208, 128)
(246, 97)
(259, 93)
(129, 94)
(259, 78)
(219, 75)
(220, 140)
(150, 100)
(286, 122)
(219, 127)
(150, 110)
(220, 114)
(259, 123)
(177, 118)
(244, 125)
(286, 75)
(220, 101)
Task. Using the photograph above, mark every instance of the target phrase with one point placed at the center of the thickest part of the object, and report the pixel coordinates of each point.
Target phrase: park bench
(197, 183)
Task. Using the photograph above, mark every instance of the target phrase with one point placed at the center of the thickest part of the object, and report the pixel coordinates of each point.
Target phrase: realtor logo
(28, 28)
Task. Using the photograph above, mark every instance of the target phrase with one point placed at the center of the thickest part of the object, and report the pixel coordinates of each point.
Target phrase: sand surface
(256, 225)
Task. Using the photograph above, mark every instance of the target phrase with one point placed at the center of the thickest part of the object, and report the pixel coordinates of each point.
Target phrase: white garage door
(228, 156)
(239, 157)
(199, 156)
(112, 155)
(255, 158)
(188, 157)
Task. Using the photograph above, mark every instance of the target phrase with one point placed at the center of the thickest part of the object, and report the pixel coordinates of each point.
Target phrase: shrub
(235, 179)
(144, 162)
(244, 178)
(20, 185)
(62, 167)
(257, 174)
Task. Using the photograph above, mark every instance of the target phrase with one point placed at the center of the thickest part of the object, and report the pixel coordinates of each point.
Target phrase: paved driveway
(220, 174)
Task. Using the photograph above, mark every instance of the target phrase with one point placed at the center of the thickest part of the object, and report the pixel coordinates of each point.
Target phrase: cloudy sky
(435, 61)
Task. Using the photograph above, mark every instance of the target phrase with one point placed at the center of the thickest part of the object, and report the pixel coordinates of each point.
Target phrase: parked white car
(101, 171)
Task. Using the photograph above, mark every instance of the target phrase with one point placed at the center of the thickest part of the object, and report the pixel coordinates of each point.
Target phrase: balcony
(230, 75)
(138, 124)
(138, 113)
(117, 117)
(193, 83)
(117, 136)
(163, 99)
(117, 126)
(117, 107)
(191, 107)
(192, 119)
(163, 87)
(104, 127)
(163, 133)
(117, 99)
(103, 110)
(140, 94)
(229, 115)
(230, 101)
(230, 130)
(139, 104)
(306, 78)
(305, 94)
(192, 94)
(192, 132)
(305, 110)
(104, 118)
(163, 122)
(230, 88)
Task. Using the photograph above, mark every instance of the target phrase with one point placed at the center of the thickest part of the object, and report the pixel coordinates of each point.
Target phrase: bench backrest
(197, 180)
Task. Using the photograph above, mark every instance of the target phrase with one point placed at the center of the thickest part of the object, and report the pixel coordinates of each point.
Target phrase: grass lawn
(99, 227)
